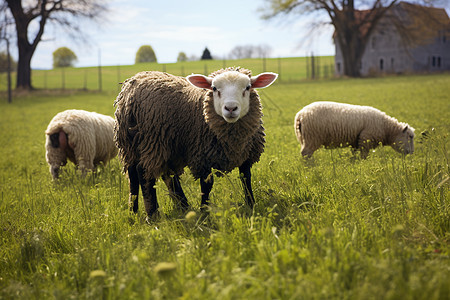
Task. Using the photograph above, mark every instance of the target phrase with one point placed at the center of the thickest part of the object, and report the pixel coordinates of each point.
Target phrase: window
(438, 61)
(381, 64)
(338, 67)
(433, 61)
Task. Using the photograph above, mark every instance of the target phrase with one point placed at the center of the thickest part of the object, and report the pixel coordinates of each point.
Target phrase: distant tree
(206, 54)
(4, 63)
(63, 57)
(145, 54)
(263, 50)
(240, 52)
(250, 51)
(39, 13)
(193, 57)
(182, 57)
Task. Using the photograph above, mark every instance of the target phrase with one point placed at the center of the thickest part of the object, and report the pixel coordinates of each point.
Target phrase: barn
(409, 38)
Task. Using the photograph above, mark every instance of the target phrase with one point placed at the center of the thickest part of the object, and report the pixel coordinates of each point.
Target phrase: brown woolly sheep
(335, 125)
(85, 138)
(165, 123)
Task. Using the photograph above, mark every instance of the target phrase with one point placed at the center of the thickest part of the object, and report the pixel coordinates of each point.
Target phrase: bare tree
(250, 51)
(263, 50)
(353, 25)
(61, 12)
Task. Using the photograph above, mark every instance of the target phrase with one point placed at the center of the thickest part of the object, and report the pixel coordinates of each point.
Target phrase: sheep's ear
(263, 80)
(200, 81)
(406, 128)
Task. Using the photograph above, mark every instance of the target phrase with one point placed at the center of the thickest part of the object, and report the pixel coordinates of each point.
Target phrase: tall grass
(335, 227)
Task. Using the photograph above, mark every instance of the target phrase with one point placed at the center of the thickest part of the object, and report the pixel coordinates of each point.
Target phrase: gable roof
(424, 22)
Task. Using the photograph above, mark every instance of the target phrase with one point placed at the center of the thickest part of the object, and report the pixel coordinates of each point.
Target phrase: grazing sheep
(165, 122)
(85, 138)
(335, 125)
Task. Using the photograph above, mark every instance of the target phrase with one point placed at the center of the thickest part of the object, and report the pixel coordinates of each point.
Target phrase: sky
(173, 26)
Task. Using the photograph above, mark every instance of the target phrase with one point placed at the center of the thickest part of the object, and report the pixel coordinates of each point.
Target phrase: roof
(423, 21)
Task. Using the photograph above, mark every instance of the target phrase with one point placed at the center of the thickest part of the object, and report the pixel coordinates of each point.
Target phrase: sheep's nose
(231, 108)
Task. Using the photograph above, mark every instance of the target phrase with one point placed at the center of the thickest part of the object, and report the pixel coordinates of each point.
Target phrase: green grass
(336, 227)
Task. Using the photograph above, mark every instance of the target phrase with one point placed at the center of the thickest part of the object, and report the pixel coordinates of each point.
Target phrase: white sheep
(335, 125)
(165, 123)
(85, 138)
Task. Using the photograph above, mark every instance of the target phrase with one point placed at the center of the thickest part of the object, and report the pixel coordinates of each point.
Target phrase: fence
(293, 69)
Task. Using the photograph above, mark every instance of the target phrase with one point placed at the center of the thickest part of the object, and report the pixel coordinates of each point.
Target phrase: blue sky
(172, 26)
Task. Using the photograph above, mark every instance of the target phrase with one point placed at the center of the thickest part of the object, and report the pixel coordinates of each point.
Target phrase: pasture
(335, 227)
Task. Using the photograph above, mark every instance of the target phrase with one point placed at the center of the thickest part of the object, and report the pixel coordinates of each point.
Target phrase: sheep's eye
(214, 88)
(248, 87)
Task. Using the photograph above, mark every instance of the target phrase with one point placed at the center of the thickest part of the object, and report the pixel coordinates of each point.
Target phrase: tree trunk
(349, 40)
(26, 48)
(352, 52)
(24, 66)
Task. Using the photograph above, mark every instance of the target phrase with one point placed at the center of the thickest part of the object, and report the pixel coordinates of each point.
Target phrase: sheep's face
(55, 156)
(404, 142)
(231, 91)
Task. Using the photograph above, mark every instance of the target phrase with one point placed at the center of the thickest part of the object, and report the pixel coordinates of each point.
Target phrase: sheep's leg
(175, 191)
(206, 185)
(246, 176)
(134, 188)
(148, 192)
(307, 152)
(364, 145)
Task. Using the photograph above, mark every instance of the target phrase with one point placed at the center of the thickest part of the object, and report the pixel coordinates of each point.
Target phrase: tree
(240, 52)
(250, 51)
(145, 54)
(206, 54)
(63, 57)
(353, 27)
(182, 57)
(40, 13)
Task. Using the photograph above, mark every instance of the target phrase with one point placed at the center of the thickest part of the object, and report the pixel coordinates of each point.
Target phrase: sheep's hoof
(152, 218)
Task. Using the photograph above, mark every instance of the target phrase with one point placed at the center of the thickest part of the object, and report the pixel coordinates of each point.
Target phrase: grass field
(336, 227)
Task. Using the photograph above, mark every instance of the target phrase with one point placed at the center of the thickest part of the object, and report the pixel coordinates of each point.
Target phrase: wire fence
(101, 78)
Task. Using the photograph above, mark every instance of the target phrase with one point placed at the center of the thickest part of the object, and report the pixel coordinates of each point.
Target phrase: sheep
(85, 138)
(335, 125)
(165, 123)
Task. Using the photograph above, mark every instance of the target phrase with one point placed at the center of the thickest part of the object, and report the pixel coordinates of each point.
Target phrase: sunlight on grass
(332, 227)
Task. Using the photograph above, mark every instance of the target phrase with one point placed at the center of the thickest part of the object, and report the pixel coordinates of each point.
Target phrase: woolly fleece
(90, 139)
(164, 123)
(334, 125)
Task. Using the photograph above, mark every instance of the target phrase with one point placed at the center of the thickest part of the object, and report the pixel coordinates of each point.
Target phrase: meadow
(334, 227)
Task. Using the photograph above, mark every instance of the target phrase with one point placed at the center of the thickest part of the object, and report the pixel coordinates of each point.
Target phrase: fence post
(63, 78)
(313, 67)
(118, 78)
(8, 70)
(85, 79)
(99, 71)
(279, 69)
